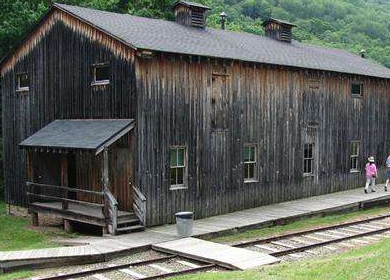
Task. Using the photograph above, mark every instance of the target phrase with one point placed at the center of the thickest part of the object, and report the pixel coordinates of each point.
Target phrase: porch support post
(64, 178)
(64, 182)
(30, 178)
(106, 178)
(105, 187)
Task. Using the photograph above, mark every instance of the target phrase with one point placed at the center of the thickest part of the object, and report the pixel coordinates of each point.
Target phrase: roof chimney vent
(223, 16)
(278, 29)
(190, 13)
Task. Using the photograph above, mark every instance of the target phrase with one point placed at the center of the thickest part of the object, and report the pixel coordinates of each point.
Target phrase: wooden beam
(114, 138)
(64, 179)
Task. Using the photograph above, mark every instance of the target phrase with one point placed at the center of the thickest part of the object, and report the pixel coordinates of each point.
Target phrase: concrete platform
(91, 249)
(223, 255)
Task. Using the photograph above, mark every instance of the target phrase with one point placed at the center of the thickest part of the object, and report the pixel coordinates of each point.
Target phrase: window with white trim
(101, 74)
(357, 89)
(308, 158)
(22, 82)
(250, 162)
(178, 158)
(354, 156)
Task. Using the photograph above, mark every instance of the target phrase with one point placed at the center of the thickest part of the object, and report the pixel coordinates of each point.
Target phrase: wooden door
(121, 172)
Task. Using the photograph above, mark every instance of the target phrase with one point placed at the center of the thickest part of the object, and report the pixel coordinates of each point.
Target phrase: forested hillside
(348, 24)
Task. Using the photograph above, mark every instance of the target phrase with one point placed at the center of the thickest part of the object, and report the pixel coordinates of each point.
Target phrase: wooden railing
(139, 205)
(111, 211)
(108, 204)
(35, 190)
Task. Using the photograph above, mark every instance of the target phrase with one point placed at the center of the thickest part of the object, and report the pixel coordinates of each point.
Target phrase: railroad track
(348, 234)
(328, 238)
(158, 269)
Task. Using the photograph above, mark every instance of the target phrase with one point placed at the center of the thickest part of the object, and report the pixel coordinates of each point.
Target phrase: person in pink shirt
(371, 173)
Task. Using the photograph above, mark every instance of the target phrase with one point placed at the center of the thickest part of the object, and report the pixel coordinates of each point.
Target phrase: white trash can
(184, 223)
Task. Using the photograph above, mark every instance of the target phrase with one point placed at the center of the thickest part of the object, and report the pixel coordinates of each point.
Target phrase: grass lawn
(368, 262)
(16, 275)
(300, 225)
(15, 233)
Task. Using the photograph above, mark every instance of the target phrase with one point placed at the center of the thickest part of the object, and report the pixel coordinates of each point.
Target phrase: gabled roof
(283, 22)
(172, 37)
(190, 4)
(93, 135)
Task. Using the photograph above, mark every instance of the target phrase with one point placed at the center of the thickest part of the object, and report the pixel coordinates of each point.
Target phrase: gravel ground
(170, 265)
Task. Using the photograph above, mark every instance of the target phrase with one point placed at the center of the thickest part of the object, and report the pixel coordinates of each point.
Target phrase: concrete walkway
(92, 249)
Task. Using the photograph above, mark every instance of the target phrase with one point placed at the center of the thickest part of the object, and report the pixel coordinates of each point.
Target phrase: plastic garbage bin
(184, 223)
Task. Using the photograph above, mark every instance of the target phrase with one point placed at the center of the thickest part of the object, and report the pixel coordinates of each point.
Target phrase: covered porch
(82, 171)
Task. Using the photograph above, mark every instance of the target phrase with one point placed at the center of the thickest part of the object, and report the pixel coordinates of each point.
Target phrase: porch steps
(128, 222)
(135, 228)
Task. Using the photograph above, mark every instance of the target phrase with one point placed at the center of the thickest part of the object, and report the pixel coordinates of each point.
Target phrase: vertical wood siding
(272, 107)
(60, 71)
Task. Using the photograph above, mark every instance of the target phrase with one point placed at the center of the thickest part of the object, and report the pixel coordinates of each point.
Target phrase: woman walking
(371, 173)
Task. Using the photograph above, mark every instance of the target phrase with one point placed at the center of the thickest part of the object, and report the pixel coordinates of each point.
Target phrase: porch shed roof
(93, 135)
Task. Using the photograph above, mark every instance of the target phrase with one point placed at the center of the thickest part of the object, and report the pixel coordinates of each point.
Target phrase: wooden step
(128, 221)
(127, 215)
(130, 229)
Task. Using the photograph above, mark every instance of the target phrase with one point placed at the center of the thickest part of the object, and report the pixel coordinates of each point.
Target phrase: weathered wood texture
(213, 107)
(59, 63)
(269, 106)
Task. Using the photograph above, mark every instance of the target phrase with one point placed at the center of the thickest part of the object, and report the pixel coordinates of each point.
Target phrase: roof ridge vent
(190, 13)
(278, 29)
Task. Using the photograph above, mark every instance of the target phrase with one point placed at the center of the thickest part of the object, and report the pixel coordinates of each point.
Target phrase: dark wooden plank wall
(60, 72)
(269, 106)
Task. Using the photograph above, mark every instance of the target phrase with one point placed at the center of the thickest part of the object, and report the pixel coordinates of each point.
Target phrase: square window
(22, 82)
(177, 167)
(250, 162)
(101, 74)
(357, 89)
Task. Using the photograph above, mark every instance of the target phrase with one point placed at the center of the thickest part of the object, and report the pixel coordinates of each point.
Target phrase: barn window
(177, 167)
(101, 74)
(308, 159)
(355, 152)
(357, 89)
(250, 162)
(22, 82)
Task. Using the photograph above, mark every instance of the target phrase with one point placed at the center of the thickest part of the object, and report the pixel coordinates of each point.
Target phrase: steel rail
(132, 264)
(184, 271)
(324, 243)
(107, 269)
(303, 232)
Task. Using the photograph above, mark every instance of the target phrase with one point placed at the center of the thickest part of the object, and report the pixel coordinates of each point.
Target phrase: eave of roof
(43, 18)
(377, 71)
(190, 4)
(79, 134)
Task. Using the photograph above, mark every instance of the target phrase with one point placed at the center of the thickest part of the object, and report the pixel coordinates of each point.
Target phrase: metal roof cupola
(190, 13)
(278, 29)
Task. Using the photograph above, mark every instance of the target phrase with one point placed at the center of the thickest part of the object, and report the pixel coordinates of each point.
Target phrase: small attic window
(357, 89)
(101, 74)
(22, 82)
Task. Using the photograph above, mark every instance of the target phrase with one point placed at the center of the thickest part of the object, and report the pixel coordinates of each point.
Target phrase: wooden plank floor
(223, 255)
(256, 217)
(77, 209)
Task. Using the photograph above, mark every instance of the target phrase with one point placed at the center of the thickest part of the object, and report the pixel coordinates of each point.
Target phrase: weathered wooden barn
(117, 120)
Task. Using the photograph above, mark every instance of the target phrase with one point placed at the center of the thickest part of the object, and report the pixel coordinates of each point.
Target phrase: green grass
(369, 262)
(16, 275)
(300, 225)
(15, 234)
